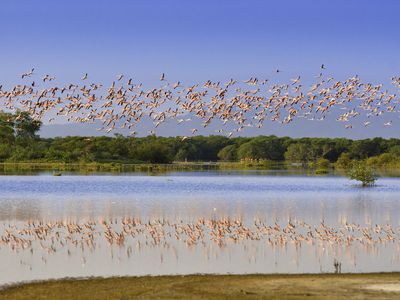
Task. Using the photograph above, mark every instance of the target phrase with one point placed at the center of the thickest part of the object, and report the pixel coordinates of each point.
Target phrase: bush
(321, 166)
(322, 163)
(361, 172)
(343, 162)
(321, 171)
(395, 150)
(385, 160)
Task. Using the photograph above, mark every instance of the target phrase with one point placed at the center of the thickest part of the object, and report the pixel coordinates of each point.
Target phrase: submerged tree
(361, 172)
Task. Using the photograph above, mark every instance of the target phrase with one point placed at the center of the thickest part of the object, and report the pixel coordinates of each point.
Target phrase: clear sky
(199, 40)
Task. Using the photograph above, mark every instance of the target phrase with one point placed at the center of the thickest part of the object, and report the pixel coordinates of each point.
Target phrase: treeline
(19, 142)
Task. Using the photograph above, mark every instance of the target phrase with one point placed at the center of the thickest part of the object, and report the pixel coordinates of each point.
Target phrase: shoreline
(215, 286)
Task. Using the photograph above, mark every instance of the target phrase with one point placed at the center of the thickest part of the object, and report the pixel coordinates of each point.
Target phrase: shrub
(322, 163)
(361, 172)
(321, 171)
(385, 160)
(343, 162)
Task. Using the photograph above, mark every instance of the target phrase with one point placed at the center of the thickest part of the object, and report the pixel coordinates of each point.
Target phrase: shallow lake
(270, 199)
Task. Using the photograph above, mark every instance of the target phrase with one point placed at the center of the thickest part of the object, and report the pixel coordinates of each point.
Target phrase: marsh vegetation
(322, 286)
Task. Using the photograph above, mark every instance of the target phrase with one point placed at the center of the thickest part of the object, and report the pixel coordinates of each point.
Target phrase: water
(183, 198)
(197, 194)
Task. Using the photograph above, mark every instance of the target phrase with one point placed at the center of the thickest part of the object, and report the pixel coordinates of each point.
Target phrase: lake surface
(183, 198)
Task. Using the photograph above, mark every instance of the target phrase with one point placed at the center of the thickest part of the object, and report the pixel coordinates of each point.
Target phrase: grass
(325, 286)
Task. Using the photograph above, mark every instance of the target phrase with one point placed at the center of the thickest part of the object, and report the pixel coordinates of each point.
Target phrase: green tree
(228, 153)
(270, 148)
(250, 150)
(362, 149)
(5, 152)
(25, 126)
(6, 128)
(189, 151)
(298, 152)
(154, 152)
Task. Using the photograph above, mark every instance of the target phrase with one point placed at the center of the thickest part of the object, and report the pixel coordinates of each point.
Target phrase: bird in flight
(27, 74)
(242, 103)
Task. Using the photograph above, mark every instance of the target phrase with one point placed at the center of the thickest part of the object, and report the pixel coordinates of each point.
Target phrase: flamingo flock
(240, 103)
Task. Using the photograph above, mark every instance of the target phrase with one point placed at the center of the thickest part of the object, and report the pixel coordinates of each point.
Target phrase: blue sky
(199, 40)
